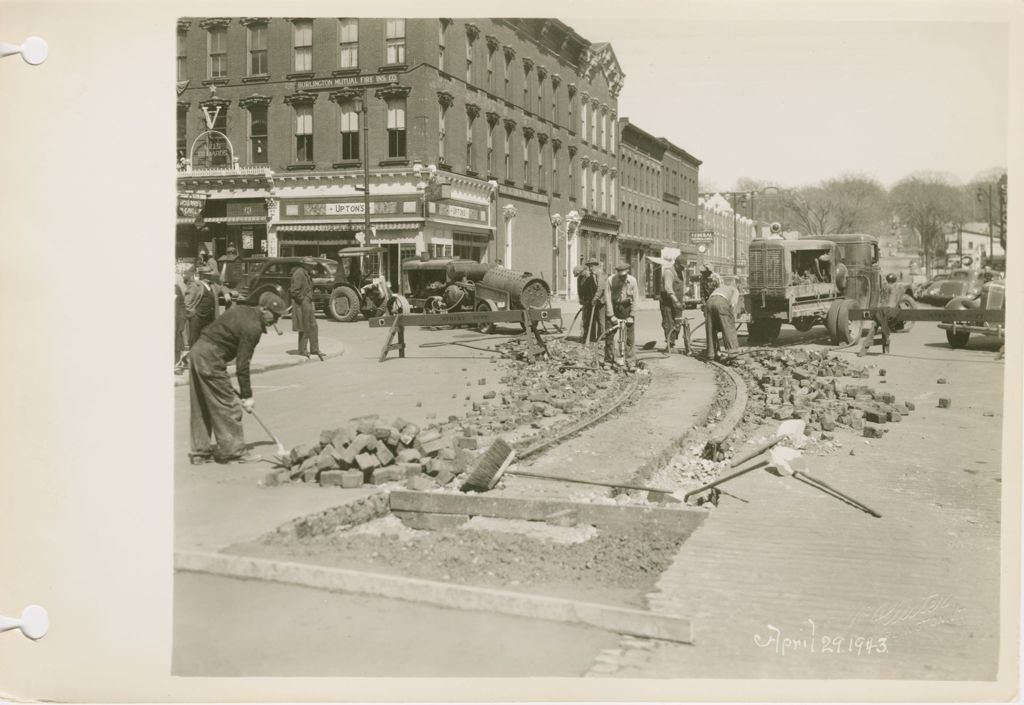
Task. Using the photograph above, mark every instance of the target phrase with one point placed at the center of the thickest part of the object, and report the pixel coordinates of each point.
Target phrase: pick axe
(792, 430)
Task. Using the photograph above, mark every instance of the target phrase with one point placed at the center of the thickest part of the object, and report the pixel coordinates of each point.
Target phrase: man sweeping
(620, 299)
(216, 408)
(673, 283)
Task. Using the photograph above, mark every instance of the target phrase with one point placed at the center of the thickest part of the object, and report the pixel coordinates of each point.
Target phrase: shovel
(793, 430)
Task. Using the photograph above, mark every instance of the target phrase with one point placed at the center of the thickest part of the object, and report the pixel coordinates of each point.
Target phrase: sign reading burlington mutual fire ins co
(364, 81)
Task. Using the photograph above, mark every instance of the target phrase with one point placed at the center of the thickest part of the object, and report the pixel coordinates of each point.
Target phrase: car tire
(343, 305)
(958, 339)
(485, 328)
(397, 305)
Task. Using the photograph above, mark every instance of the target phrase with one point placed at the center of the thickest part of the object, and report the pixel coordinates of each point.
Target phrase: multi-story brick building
(727, 251)
(658, 194)
(477, 132)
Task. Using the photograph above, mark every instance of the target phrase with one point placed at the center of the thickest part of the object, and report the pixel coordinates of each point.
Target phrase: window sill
(346, 72)
(299, 75)
(509, 182)
(389, 68)
(528, 187)
(556, 194)
(398, 161)
(347, 164)
(473, 172)
(222, 81)
(542, 190)
(259, 78)
(305, 166)
(443, 165)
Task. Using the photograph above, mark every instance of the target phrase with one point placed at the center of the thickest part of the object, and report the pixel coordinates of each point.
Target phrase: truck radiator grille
(766, 269)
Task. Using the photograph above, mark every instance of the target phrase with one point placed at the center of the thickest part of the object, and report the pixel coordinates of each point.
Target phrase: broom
(496, 460)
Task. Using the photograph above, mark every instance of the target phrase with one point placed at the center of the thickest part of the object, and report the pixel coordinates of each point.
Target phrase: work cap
(275, 305)
(621, 267)
(593, 260)
(706, 267)
(680, 260)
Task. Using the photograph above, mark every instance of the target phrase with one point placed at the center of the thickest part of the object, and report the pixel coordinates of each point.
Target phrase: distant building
(731, 235)
(969, 246)
(479, 132)
(658, 194)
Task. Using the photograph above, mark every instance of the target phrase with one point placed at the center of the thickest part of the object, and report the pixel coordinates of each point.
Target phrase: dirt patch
(614, 567)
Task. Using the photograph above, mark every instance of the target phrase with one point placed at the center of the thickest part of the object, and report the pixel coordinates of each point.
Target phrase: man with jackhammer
(885, 316)
(621, 296)
(216, 408)
(721, 314)
(591, 287)
(673, 283)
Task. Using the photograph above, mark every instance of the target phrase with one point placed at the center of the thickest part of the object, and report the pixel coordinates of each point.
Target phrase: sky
(797, 102)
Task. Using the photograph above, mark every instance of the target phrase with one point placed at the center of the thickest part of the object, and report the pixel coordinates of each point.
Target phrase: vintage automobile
(360, 286)
(943, 288)
(991, 295)
(251, 280)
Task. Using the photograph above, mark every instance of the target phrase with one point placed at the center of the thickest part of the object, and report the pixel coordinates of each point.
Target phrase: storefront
(460, 230)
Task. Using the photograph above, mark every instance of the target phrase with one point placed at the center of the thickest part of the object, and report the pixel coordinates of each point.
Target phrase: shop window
(465, 250)
(394, 40)
(440, 251)
(258, 134)
(302, 31)
(217, 43)
(182, 60)
(348, 43)
(396, 126)
(258, 50)
(303, 133)
(349, 132)
(406, 252)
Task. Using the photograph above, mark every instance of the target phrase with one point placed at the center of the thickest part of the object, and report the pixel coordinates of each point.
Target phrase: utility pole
(366, 166)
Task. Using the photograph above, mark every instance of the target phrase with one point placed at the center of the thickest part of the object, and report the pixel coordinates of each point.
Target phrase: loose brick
(910, 405)
(444, 477)
(381, 432)
(419, 483)
(343, 436)
(941, 380)
(344, 458)
(876, 416)
(326, 461)
(408, 455)
(391, 473)
(857, 423)
(366, 424)
(446, 453)
(872, 432)
(362, 442)
(393, 440)
(366, 461)
(301, 453)
(431, 447)
(384, 455)
(828, 422)
(331, 478)
(466, 443)
(399, 424)
(351, 479)
(436, 465)
(411, 469)
(945, 403)
(326, 436)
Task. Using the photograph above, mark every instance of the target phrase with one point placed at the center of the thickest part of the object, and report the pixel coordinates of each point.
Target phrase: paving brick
(351, 479)
(432, 447)
(467, 443)
(366, 461)
(436, 466)
(411, 469)
(408, 455)
(344, 458)
(332, 478)
(384, 455)
(420, 483)
(391, 473)
(326, 461)
(945, 403)
(444, 476)
(381, 432)
(872, 432)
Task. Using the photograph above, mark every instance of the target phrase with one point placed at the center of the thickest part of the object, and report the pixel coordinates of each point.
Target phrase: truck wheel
(906, 302)
(344, 304)
(803, 324)
(958, 340)
(772, 329)
(485, 328)
(840, 327)
(398, 304)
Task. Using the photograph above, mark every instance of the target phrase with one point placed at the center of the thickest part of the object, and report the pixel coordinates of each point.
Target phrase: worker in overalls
(216, 408)
(721, 312)
(621, 296)
(673, 284)
(884, 317)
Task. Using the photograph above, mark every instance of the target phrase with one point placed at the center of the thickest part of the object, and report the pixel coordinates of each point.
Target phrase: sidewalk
(276, 351)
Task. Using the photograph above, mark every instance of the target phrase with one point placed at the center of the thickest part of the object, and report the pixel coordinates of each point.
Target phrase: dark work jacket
(301, 291)
(706, 286)
(235, 335)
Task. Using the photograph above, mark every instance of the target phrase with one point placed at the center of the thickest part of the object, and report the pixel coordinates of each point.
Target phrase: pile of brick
(805, 384)
(370, 451)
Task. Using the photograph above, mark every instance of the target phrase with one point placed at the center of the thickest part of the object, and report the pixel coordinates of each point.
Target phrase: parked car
(943, 288)
(260, 277)
(991, 295)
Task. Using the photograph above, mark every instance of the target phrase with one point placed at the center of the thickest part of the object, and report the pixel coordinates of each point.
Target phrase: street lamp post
(987, 193)
(361, 108)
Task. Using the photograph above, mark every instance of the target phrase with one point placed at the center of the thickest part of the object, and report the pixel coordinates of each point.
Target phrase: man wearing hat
(591, 288)
(721, 315)
(303, 311)
(216, 408)
(620, 299)
(707, 285)
(673, 284)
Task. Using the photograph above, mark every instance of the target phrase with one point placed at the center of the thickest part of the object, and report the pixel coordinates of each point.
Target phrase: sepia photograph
(590, 347)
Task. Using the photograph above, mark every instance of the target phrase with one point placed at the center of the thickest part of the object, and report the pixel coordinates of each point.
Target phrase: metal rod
(820, 485)
(366, 169)
(725, 479)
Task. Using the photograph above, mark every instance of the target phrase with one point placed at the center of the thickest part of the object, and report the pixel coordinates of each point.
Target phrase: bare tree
(846, 204)
(926, 201)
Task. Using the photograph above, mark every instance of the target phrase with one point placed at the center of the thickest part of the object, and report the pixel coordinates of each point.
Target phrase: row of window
(302, 47)
(303, 131)
(653, 223)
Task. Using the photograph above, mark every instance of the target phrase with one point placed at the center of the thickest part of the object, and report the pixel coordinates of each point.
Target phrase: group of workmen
(207, 340)
(608, 305)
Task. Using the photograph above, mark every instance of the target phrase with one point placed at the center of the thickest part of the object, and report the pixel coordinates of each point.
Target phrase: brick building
(478, 132)
(658, 195)
(727, 251)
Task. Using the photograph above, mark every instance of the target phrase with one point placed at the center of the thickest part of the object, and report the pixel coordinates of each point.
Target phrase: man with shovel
(216, 408)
